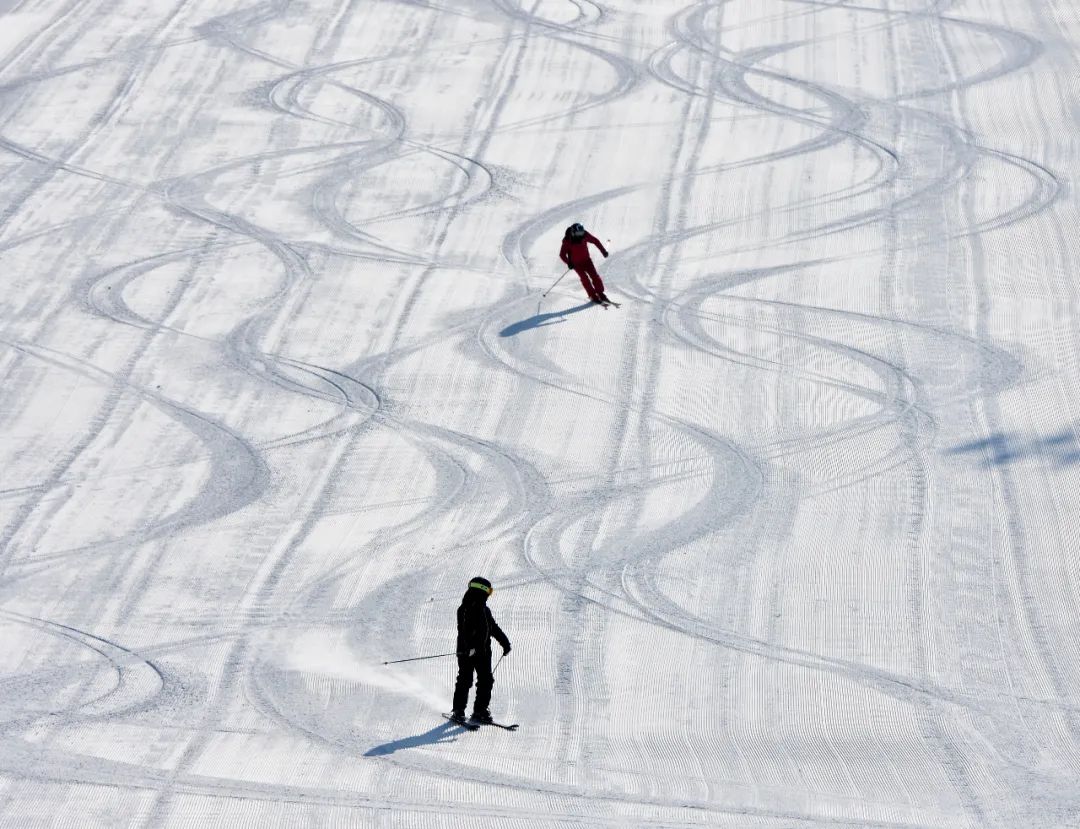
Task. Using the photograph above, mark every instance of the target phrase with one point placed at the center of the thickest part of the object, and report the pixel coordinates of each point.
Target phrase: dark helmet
(576, 231)
(481, 584)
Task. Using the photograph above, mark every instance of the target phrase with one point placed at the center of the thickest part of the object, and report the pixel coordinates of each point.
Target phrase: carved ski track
(1048, 188)
(573, 509)
(976, 231)
(847, 116)
(1021, 51)
(686, 26)
(399, 324)
(449, 453)
(13, 528)
(105, 114)
(348, 746)
(195, 749)
(103, 295)
(638, 582)
(1016, 732)
(886, 172)
(243, 341)
(245, 337)
(607, 564)
(476, 151)
(948, 743)
(381, 151)
(55, 23)
(270, 241)
(112, 773)
(1036, 203)
(683, 314)
(898, 401)
(60, 163)
(239, 475)
(508, 257)
(948, 739)
(137, 683)
(228, 28)
(1030, 616)
(518, 477)
(588, 14)
(323, 196)
(701, 520)
(904, 397)
(232, 484)
(579, 571)
(57, 474)
(36, 77)
(627, 76)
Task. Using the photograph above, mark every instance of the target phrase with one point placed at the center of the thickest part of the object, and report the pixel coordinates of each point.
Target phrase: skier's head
(480, 587)
(576, 231)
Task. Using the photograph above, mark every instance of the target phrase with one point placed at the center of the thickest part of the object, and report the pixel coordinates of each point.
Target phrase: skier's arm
(498, 634)
(564, 252)
(590, 238)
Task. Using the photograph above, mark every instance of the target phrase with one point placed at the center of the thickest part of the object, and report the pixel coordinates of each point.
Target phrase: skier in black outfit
(476, 628)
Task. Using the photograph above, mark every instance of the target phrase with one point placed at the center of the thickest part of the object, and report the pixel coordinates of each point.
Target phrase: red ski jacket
(577, 252)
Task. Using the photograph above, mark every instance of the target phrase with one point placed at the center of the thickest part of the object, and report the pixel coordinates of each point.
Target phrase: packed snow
(788, 539)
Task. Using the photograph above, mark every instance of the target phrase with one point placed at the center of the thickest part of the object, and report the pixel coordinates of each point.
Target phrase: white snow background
(789, 539)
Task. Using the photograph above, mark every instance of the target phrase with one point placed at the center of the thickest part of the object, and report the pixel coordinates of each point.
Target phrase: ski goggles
(484, 587)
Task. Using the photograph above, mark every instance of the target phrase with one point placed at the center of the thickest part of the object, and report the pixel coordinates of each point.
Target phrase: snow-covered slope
(786, 540)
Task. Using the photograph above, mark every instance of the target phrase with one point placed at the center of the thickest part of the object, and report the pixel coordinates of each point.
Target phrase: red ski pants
(590, 279)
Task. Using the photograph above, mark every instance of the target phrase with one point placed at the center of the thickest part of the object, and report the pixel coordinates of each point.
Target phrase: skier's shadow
(443, 733)
(541, 320)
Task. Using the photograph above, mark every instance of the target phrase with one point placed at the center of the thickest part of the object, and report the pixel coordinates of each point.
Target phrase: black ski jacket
(476, 626)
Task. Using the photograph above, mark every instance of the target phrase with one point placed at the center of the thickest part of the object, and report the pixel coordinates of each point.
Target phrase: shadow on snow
(541, 320)
(1061, 449)
(445, 732)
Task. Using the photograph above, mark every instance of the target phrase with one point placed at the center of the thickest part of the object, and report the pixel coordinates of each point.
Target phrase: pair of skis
(607, 303)
(472, 725)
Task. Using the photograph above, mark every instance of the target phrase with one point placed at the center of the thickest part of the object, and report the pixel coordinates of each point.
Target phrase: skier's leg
(586, 282)
(464, 683)
(484, 683)
(597, 282)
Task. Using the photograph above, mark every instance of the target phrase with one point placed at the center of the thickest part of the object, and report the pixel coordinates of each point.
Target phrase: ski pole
(556, 282)
(415, 658)
(497, 664)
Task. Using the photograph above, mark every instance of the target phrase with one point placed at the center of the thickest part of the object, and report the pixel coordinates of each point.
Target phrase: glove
(506, 650)
(605, 254)
(472, 651)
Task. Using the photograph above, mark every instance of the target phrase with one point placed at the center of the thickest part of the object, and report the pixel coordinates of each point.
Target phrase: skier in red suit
(575, 253)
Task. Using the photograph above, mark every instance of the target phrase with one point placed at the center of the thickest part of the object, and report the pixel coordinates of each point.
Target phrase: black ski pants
(480, 664)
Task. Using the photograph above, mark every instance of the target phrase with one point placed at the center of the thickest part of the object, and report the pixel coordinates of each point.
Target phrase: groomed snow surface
(787, 540)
